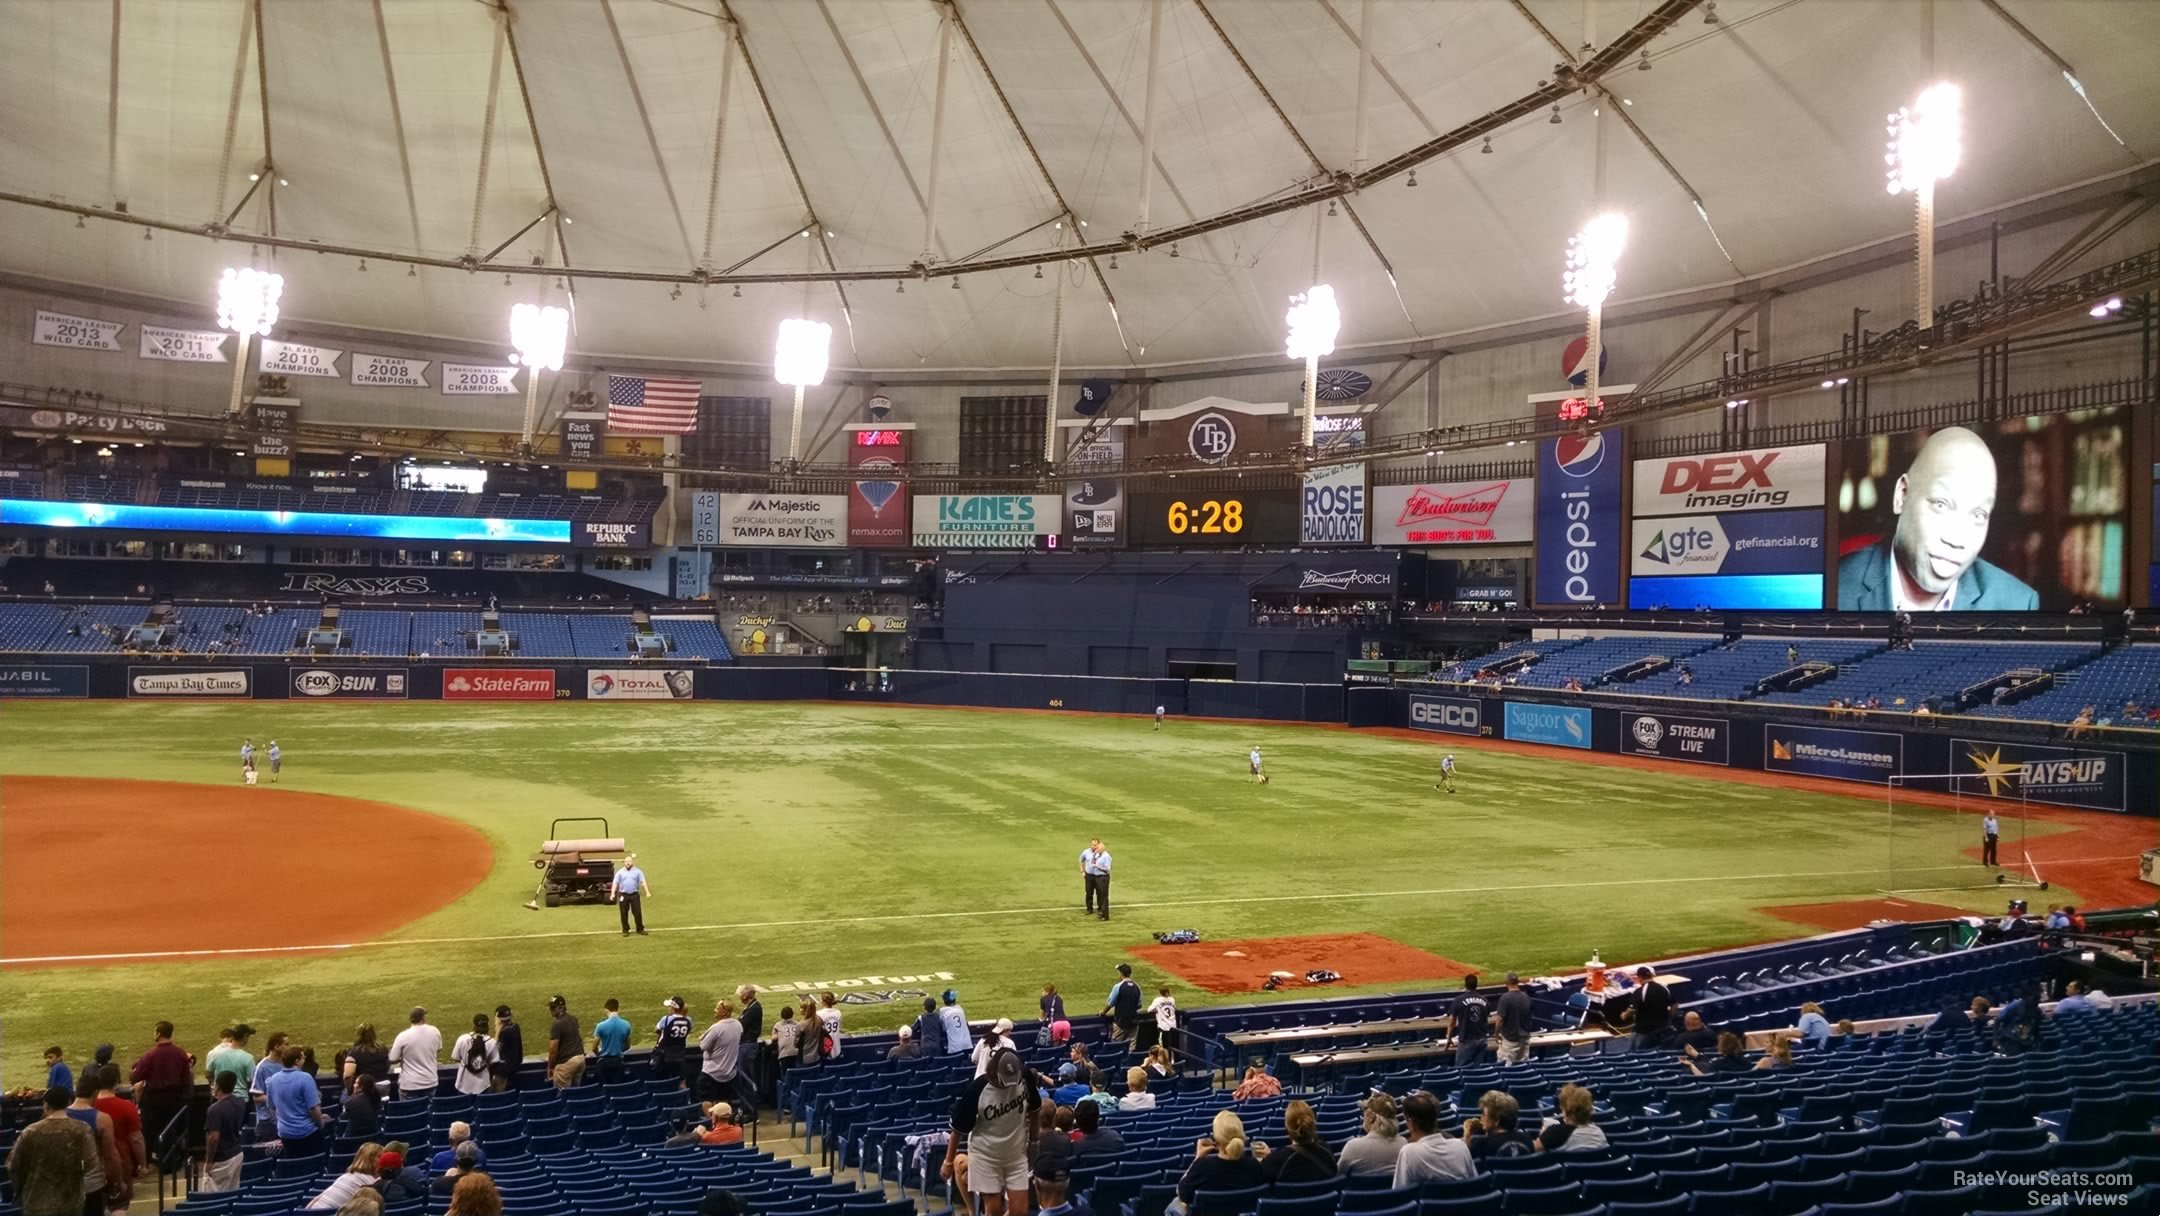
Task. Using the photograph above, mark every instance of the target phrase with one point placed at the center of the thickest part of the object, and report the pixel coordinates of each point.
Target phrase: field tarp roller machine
(576, 869)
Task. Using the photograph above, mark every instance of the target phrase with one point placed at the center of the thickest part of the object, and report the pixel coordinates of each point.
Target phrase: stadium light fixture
(1925, 144)
(539, 334)
(247, 305)
(1593, 260)
(1313, 320)
(800, 355)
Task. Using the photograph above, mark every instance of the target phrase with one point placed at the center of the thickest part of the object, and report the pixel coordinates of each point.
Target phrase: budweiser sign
(1453, 513)
(505, 684)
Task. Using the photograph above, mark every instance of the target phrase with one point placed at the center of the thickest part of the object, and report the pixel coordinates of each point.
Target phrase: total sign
(1578, 519)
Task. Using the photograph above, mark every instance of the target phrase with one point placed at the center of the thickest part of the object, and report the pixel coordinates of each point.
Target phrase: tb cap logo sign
(1211, 438)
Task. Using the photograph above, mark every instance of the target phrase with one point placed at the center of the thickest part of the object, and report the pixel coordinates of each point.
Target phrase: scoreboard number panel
(1227, 518)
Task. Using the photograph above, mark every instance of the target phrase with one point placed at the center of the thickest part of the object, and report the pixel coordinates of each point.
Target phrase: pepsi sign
(1578, 520)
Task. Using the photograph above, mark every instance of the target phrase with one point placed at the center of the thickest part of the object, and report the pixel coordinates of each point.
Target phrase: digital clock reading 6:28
(1206, 517)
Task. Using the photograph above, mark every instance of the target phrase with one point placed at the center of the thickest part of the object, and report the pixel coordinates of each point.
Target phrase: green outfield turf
(813, 842)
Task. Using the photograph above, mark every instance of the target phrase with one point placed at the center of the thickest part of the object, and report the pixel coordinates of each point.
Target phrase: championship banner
(42, 681)
(1443, 513)
(584, 435)
(349, 683)
(639, 684)
(807, 520)
(474, 379)
(1333, 507)
(293, 359)
(186, 682)
(1695, 740)
(984, 521)
(183, 345)
(387, 371)
(498, 684)
(2059, 776)
(877, 510)
(78, 333)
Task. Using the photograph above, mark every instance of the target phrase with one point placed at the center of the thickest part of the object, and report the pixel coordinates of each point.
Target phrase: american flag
(641, 405)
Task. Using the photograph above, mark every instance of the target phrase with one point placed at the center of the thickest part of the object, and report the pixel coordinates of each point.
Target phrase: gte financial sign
(1761, 480)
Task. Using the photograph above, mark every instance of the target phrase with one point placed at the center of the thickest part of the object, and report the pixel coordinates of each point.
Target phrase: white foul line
(888, 917)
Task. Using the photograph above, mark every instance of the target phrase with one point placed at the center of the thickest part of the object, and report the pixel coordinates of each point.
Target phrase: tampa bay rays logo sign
(1211, 438)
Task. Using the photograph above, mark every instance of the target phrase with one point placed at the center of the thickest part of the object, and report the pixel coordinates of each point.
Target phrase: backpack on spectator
(476, 1050)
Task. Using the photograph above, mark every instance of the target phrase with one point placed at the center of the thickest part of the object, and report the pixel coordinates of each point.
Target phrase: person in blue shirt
(2074, 1001)
(57, 1074)
(1814, 1027)
(296, 1103)
(277, 760)
(629, 891)
(611, 1038)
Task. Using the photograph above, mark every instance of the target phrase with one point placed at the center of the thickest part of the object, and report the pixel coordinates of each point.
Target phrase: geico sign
(1460, 717)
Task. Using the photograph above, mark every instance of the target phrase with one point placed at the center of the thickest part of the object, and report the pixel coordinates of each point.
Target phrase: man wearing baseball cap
(1000, 1037)
(566, 1044)
(907, 1048)
(671, 1054)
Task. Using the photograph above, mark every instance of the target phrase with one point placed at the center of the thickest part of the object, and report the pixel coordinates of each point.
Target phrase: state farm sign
(1455, 512)
(1762, 480)
(498, 684)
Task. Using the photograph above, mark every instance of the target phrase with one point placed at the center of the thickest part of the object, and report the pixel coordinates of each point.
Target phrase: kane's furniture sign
(498, 684)
(817, 521)
(187, 682)
(639, 684)
(1450, 715)
(2059, 776)
(349, 683)
(1696, 740)
(42, 682)
(1822, 751)
(985, 521)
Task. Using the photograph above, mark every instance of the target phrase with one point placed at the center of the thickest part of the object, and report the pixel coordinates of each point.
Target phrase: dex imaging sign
(1578, 520)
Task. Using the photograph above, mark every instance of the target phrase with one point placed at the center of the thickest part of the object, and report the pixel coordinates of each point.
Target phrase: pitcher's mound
(1860, 913)
(1243, 966)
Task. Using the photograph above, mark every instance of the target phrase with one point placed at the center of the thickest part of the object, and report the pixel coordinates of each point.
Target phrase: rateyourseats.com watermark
(2042, 1188)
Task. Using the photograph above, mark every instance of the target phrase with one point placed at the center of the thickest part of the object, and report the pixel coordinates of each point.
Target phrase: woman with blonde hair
(359, 1176)
(475, 1195)
(1813, 1026)
(1572, 1132)
(1779, 1055)
(1220, 1163)
(1306, 1159)
(1376, 1150)
(1158, 1063)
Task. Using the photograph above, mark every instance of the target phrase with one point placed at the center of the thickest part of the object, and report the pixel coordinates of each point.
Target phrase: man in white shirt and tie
(1095, 874)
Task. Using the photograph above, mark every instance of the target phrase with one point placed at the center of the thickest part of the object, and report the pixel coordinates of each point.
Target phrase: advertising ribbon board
(640, 684)
(1823, 751)
(1695, 740)
(2059, 776)
(1556, 725)
(349, 683)
(1450, 715)
(41, 681)
(498, 684)
(814, 521)
(187, 682)
(984, 521)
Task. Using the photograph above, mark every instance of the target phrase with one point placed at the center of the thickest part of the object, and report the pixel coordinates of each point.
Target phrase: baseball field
(880, 853)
